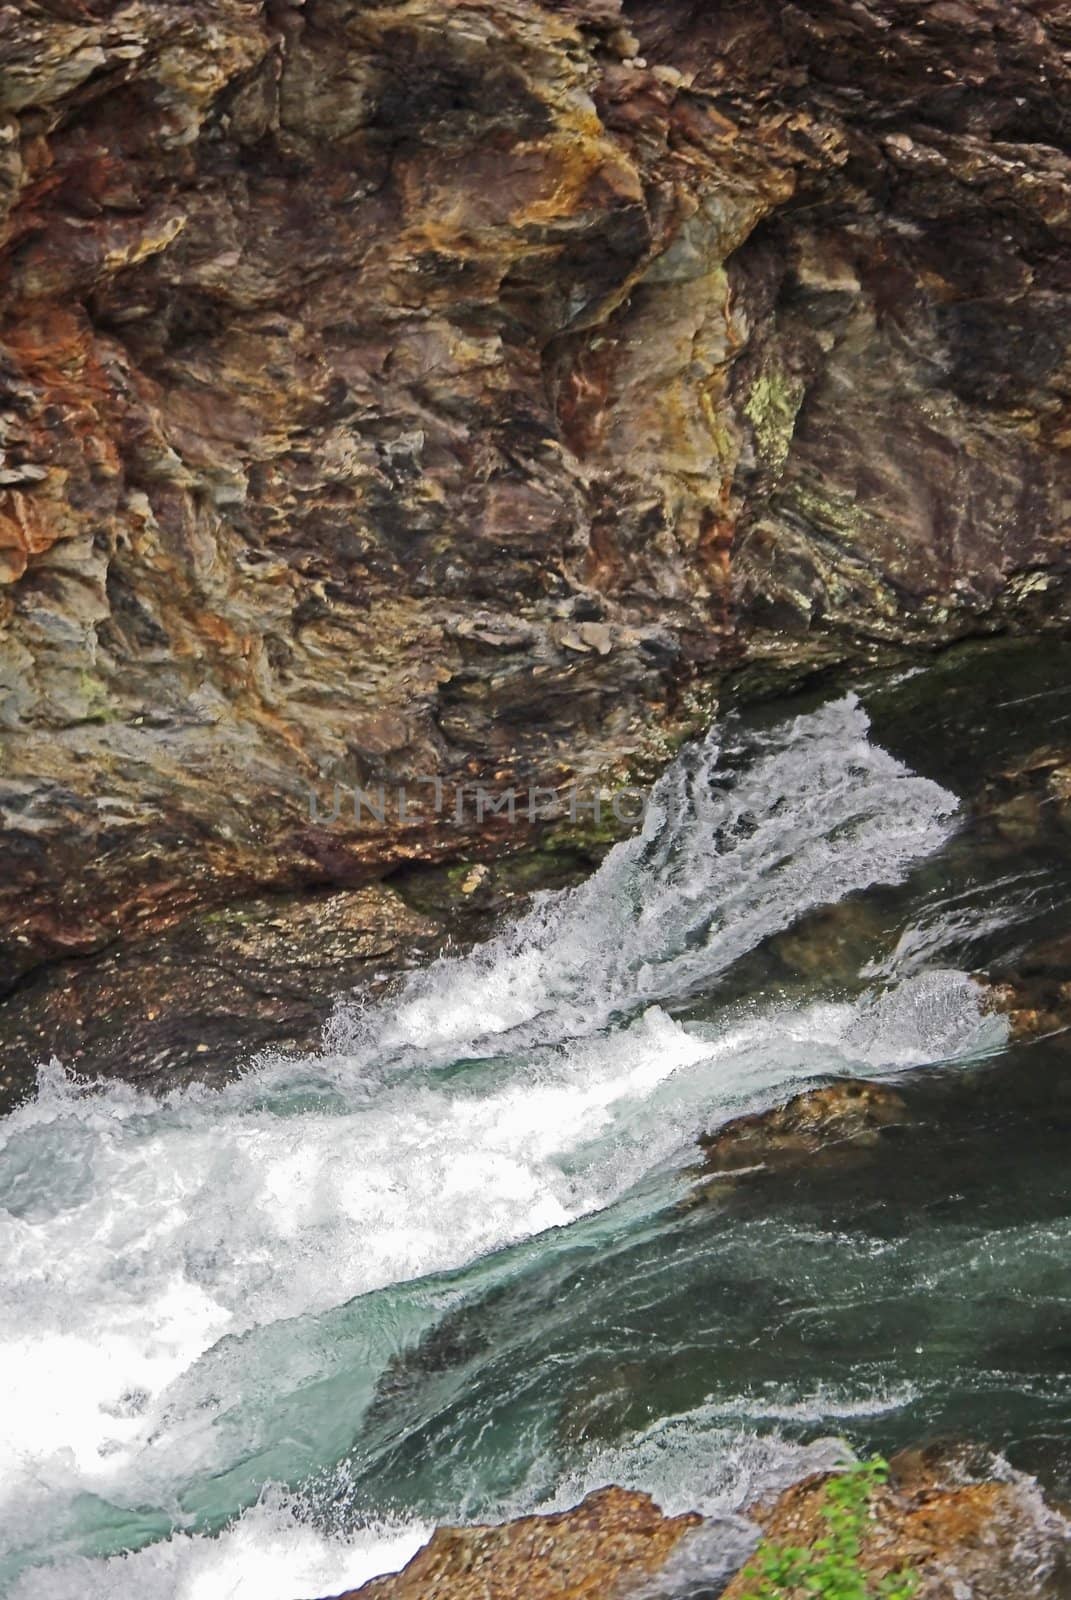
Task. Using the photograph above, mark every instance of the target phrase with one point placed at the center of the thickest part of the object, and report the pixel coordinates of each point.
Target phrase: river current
(258, 1339)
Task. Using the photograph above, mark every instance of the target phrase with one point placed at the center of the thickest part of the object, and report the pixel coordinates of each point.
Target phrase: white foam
(700, 1461)
(725, 858)
(164, 1264)
(272, 1552)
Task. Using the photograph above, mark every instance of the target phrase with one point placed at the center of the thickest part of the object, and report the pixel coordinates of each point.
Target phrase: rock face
(201, 999)
(406, 390)
(600, 1551)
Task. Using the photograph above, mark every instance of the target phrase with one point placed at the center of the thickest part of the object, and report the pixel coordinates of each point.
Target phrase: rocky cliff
(447, 387)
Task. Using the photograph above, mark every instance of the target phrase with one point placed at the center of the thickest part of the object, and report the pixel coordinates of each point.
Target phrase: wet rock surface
(1029, 802)
(400, 391)
(961, 1527)
(601, 1550)
(200, 1002)
(1034, 993)
(833, 1126)
(989, 1538)
(1025, 807)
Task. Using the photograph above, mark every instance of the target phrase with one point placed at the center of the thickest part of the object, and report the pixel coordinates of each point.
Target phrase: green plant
(830, 1567)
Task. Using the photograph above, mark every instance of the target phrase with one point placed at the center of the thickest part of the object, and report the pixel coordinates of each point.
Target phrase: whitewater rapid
(179, 1275)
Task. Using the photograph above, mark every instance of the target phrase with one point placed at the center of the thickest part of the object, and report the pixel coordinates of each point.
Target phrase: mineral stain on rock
(601, 1550)
(959, 1528)
(440, 390)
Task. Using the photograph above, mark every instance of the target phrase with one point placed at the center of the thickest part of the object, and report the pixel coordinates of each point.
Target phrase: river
(258, 1339)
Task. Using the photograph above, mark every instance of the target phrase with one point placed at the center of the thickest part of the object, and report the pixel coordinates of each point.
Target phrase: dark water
(448, 1269)
(933, 1280)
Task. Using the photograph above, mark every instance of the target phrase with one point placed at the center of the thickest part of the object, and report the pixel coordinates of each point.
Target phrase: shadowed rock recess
(391, 390)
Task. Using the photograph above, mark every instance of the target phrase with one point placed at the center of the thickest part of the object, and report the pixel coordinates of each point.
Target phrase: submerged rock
(833, 942)
(602, 1550)
(1029, 802)
(1034, 993)
(834, 1125)
(402, 391)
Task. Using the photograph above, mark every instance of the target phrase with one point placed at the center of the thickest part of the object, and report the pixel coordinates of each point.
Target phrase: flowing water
(257, 1340)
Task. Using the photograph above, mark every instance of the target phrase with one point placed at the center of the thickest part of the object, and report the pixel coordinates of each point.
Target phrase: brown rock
(990, 1540)
(203, 999)
(1035, 994)
(834, 1125)
(1029, 802)
(599, 1551)
(327, 330)
(943, 1517)
(832, 942)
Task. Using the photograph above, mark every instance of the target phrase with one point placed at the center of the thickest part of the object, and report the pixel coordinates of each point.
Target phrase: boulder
(835, 1125)
(986, 1538)
(601, 1550)
(1034, 992)
(965, 1527)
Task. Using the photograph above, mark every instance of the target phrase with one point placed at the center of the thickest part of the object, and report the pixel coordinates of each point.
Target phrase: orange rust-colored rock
(962, 1531)
(355, 359)
(989, 1540)
(599, 1551)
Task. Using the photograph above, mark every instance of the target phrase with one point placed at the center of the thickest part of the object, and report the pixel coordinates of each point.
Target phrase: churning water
(256, 1340)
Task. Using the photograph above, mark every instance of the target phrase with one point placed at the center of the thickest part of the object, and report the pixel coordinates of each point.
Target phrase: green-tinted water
(446, 1271)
